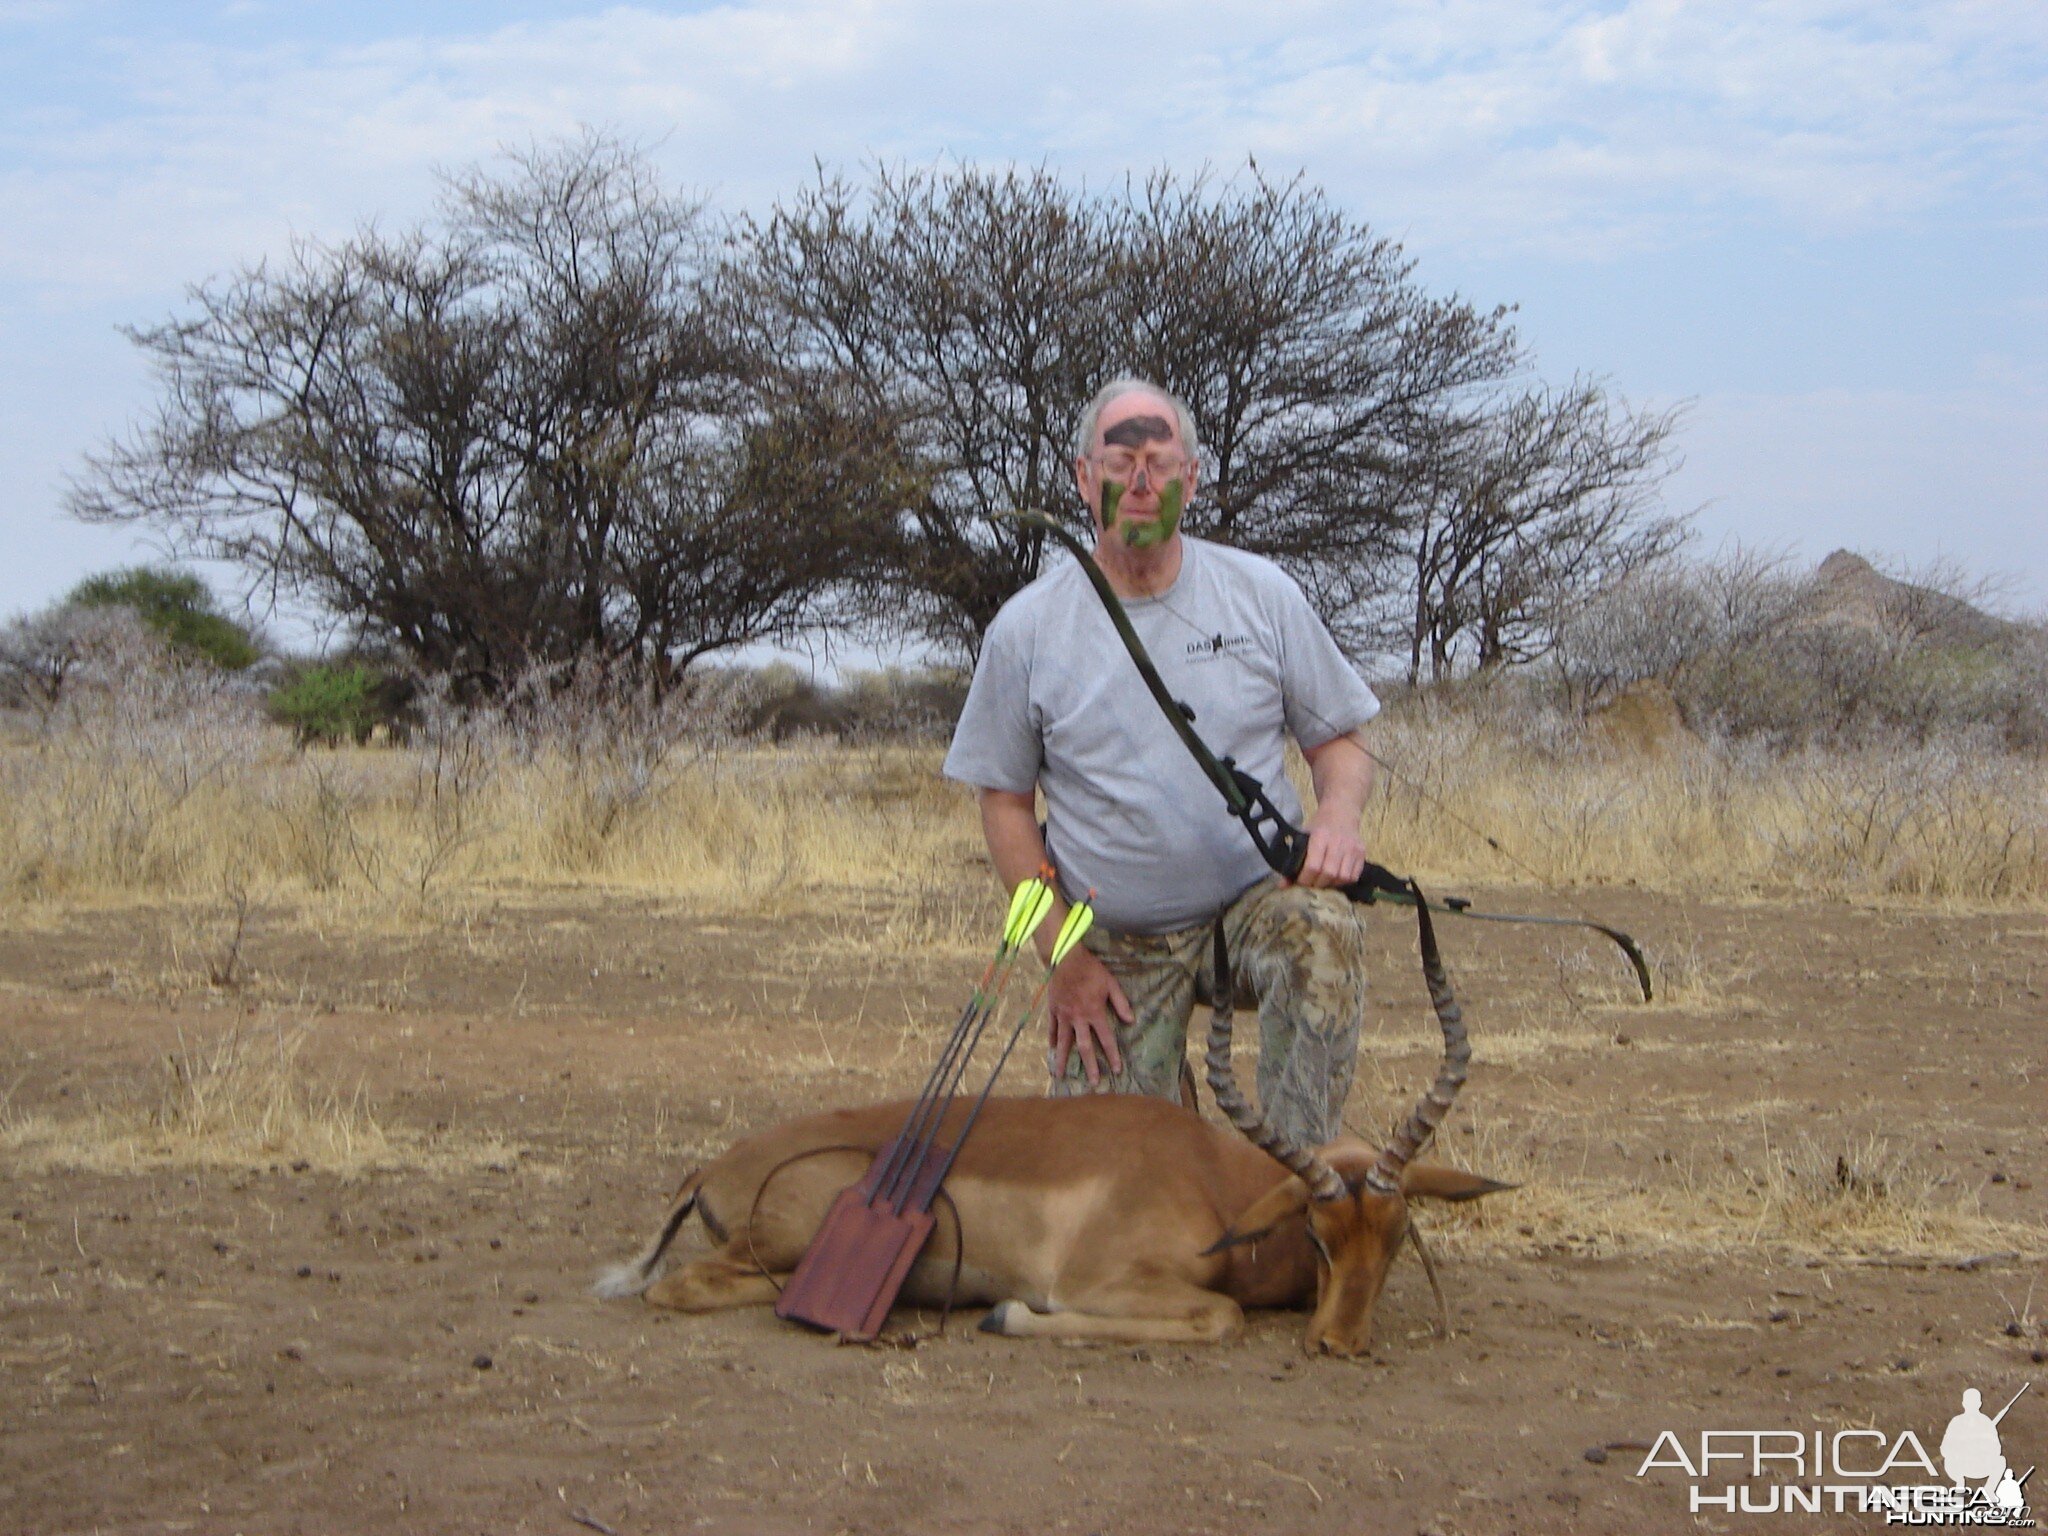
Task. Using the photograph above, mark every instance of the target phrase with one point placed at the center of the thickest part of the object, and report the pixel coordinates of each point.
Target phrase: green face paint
(1112, 497)
(1148, 535)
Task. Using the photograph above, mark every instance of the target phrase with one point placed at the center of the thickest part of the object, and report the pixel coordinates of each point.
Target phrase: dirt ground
(188, 1348)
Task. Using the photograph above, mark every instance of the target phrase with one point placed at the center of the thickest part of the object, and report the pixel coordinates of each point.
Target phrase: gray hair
(1116, 389)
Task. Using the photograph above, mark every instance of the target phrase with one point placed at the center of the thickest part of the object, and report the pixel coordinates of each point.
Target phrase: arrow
(1029, 905)
(1078, 922)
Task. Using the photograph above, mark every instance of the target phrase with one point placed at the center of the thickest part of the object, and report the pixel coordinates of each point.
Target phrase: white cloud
(1658, 119)
(1558, 127)
(1566, 129)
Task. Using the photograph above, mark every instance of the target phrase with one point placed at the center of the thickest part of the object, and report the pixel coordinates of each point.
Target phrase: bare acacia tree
(1323, 381)
(519, 435)
(1540, 502)
(1348, 420)
(567, 421)
(968, 311)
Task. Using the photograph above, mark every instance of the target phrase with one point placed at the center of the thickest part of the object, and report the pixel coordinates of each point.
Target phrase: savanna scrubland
(332, 1074)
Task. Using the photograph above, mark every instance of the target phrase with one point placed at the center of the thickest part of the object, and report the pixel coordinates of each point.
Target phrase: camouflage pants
(1298, 954)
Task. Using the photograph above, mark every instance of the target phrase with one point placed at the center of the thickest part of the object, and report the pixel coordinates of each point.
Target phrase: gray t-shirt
(1057, 702)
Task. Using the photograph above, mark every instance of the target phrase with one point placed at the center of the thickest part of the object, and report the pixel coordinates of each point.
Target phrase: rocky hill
(1849, 590)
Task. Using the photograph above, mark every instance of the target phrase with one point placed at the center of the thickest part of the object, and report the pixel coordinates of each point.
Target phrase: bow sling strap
(1283, 845)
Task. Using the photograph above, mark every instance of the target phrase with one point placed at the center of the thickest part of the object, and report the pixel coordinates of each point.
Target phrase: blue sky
(1824, 225)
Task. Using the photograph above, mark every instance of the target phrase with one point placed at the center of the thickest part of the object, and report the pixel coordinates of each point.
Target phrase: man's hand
(1083, 998)
(1084, 1001)
(1336, 853)
(1343, 778)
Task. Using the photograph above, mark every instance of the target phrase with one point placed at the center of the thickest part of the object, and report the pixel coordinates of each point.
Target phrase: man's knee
(1299, 940)
(1302, 909)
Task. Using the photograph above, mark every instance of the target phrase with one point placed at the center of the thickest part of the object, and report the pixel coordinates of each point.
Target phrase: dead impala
(1107, 1217)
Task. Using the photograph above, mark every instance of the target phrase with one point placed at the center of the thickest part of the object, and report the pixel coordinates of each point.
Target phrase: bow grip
(1287, 850)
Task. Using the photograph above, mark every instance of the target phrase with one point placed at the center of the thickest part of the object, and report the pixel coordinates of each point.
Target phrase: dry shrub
(164, 781)
(243, 1099)
(1844, 655)
(1954, 818)
(134, 772)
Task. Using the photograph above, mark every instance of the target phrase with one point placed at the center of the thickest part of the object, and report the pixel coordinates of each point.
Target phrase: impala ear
(1287, 1198)
(1433, 1181)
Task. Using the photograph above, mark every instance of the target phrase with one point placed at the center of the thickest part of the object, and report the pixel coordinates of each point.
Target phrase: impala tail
(634, 1278)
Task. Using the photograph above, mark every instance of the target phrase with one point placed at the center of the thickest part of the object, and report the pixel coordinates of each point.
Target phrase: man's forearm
(1009, 825)
(1342, 774)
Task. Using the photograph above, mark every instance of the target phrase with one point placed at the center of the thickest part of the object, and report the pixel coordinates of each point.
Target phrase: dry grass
(394, 830)
(1953, 821)
(194, 796)
(1591, 980)
(243, 1099)
(1857, 1200)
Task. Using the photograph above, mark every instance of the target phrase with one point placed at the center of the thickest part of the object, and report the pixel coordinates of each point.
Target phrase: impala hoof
(998, 1317)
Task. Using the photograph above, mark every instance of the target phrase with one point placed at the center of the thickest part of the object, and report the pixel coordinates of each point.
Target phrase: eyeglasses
(1156, 468)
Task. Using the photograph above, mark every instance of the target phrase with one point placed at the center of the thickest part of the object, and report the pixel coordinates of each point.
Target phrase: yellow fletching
(1078, 922)
(1019, 924)
(1041, 904)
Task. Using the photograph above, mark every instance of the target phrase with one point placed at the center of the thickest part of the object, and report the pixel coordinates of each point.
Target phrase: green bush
(176, 605)
(330, 705)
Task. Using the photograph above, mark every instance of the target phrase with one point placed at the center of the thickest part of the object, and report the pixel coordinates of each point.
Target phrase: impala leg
(713, 1283)
(1160, 1312)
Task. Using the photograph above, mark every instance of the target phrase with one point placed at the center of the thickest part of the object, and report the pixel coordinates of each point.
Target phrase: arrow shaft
(1079, 919)
(921, 1127)
(1029, 904)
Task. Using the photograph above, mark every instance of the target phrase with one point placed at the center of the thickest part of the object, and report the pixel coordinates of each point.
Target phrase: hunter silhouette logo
(1219, 644)
(1856, 1471)
(1970, 1452)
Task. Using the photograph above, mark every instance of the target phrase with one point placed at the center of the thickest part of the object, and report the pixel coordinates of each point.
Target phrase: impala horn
(1384, 1177)
(1324, 1182)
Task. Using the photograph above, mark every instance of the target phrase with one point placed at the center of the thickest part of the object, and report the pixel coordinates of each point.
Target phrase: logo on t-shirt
(1215, 645)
